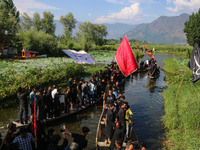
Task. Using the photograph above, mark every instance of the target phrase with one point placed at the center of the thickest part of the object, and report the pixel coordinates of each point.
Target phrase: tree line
(38, 33)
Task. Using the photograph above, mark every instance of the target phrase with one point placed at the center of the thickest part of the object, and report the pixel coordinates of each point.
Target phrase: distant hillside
(166, 30)
(114, 30)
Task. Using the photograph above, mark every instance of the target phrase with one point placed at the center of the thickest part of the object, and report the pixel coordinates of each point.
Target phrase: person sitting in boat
(79, 138)
(109, 123)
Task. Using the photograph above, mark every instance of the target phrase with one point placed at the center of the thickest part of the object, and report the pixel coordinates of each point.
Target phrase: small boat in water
(149, 53)
(100, 135)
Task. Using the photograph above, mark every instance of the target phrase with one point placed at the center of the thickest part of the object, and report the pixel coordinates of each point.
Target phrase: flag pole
(181, 82)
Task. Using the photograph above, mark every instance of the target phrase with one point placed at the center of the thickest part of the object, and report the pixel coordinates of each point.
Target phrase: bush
(39, 41)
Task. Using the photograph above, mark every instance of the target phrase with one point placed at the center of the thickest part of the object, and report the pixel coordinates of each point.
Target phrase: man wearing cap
(80, 138)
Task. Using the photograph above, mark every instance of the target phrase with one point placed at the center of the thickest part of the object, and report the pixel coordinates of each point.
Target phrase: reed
(182, 114)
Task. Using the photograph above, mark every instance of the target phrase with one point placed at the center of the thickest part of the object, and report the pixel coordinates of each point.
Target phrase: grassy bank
(182, 114)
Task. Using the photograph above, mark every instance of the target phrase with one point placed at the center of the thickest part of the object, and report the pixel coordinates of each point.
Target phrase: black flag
(194, 63)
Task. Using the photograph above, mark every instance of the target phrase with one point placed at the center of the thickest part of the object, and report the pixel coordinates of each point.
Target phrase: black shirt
(80, 140)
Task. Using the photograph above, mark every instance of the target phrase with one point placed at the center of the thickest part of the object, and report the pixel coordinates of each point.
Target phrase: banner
(80, 57)
(194, 63)
(125, 58)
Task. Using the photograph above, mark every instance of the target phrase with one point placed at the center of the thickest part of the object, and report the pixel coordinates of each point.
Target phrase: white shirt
(53, 93)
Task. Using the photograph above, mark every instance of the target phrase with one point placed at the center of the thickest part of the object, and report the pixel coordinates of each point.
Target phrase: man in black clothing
(22, 96)
(110, 123)
(80, 138)
(49, 103)
(121, 115)
(118, 135)
(110, 97)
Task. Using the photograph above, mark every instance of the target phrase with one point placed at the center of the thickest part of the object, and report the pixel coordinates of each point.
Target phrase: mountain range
(164, 30)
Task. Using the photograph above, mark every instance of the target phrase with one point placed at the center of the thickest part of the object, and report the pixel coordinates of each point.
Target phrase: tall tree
(69, 23)
(192, 29)
(36, 21)
(48, 25)
(26, 22)
(9, 21)
(92, 33)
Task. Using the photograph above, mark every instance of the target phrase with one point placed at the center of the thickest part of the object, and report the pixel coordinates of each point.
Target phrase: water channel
(145, 99)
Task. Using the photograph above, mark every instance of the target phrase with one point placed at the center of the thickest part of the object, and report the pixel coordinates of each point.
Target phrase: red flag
(35, 122)
(137, 45)
(144, 47)
(125, 58)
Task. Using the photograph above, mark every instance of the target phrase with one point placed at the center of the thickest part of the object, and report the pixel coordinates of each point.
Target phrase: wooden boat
(154, 76)
(62, 116)
(100, 135)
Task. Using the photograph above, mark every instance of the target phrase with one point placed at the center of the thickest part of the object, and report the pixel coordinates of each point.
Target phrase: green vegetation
(39, 41)
(9, 22)
(192, 29)
(182, 114)
(37, 72)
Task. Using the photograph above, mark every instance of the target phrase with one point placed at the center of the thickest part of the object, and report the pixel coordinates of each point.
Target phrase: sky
(109, 11)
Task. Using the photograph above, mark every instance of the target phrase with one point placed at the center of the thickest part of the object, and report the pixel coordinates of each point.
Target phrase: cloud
(28, 6)
(131, 1)
(187, 6)
(125, 15)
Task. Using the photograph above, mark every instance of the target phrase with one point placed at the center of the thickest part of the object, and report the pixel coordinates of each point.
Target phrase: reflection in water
(145, 99)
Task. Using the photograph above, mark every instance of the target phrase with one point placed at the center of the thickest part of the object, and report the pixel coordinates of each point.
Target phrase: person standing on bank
(22, 96)
(79, 138)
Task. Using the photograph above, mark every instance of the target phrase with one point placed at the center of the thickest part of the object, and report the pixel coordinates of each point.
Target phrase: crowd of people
(25, 139)
(79, 93)
(117, 118)
(51, 101)
(151, 66)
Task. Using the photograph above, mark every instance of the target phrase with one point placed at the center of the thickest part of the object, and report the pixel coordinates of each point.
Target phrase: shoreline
(181, 114)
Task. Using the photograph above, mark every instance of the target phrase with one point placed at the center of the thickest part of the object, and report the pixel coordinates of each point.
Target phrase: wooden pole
(181, 82)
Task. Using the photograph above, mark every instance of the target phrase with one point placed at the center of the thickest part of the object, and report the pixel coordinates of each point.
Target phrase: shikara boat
(149, 53)
(153, 76)
(62, 115)
(100, 135)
